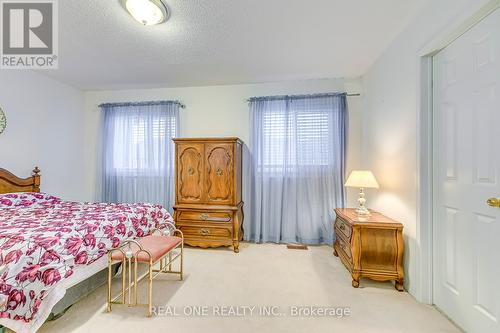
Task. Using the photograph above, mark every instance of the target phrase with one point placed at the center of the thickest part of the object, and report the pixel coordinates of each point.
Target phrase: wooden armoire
(208, 205)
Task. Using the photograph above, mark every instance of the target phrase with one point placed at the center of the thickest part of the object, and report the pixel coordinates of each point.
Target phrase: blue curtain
(298, 167)
(138, 152)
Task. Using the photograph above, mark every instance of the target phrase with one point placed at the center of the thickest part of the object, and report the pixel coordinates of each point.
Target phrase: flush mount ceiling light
(147, 12)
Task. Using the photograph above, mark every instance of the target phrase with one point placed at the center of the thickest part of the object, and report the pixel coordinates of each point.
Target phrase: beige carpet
(260, 275)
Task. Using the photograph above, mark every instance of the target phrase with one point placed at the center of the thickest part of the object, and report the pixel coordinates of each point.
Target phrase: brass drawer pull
(493, 202)
(342, 227)
(204, 216)
(204, 232)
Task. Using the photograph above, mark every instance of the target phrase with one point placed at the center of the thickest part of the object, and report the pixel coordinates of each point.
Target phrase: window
(145, 132)
(297, 139)
(138, 152)
(298, 149)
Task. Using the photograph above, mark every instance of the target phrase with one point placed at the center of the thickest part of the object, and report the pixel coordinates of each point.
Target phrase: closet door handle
(493, 202)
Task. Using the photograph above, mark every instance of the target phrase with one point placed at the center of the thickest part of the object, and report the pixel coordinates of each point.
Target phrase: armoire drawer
(204, 216)
(203, 231)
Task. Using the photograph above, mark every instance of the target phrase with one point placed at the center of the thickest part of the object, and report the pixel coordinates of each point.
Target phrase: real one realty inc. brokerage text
(250, 311)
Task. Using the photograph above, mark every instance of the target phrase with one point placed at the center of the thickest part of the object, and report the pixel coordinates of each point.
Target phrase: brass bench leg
(129, 288)
(124, 276)
(182, 261)
(135, 281)
(150, 305)
(109, 284)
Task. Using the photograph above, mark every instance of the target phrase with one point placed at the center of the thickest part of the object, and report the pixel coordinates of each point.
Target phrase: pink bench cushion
(158, 246)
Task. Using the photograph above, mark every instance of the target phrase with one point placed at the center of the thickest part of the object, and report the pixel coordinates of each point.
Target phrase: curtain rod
(146, 103)
(299, 96)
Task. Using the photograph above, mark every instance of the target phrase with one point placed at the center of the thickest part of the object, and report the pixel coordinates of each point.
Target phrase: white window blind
(300, 138)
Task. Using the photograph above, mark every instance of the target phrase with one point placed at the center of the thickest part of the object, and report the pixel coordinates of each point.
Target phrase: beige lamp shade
(361, 179)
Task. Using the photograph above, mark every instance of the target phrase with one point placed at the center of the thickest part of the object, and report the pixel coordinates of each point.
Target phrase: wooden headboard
(10, 183)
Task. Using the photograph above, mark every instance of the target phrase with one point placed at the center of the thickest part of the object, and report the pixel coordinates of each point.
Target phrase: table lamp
(362, 179)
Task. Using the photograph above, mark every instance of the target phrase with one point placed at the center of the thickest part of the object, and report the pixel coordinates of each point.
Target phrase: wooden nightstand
(369, 246)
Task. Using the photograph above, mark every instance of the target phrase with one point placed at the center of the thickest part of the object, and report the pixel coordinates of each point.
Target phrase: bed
(49, 246)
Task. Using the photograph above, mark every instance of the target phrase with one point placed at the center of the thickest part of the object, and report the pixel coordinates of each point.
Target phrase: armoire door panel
(219, 171)
(190, 173)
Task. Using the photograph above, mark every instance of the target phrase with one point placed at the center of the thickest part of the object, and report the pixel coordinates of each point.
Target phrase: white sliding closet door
(467, 173)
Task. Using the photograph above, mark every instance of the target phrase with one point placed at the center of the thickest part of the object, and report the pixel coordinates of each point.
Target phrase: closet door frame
(423, 291)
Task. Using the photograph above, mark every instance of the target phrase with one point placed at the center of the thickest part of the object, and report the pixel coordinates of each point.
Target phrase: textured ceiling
(210, 42)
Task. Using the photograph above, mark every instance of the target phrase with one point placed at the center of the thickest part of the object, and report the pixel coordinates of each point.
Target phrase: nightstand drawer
(343, 227)
(344, 247)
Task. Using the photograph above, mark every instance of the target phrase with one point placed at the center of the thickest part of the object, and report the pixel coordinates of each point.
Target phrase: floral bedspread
(43, 240)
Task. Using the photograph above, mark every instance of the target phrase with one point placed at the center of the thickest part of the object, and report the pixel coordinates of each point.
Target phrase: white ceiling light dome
(147, 12)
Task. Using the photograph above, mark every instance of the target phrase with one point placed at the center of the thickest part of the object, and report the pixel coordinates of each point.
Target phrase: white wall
(390, 117)
(56, 127)
(220, 111)
(44, 128)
